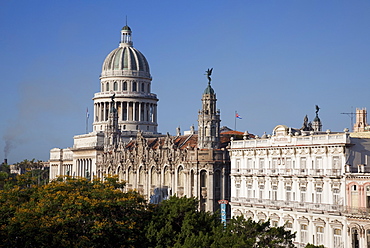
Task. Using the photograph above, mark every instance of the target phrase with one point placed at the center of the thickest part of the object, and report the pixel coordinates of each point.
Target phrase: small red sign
(223, 202)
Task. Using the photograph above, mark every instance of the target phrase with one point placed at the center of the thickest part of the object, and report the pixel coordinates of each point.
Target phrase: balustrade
(309, 206)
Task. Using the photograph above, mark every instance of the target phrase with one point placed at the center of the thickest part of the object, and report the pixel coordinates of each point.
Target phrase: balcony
(317, 172)
(301, 172)
(290, 205)
(289, 172)
(357, 212)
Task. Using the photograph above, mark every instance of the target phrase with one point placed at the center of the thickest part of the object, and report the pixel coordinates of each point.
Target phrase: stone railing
(88, 145)
(303, 206)
(363, 212)
(288, 172)
(125, 73)
(126, 94)
(316, 139)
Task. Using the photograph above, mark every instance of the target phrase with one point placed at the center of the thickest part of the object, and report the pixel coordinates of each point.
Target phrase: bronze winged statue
(209, 73)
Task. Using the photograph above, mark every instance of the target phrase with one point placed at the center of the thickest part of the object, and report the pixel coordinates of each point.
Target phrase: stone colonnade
(83, 168)
(127, 111)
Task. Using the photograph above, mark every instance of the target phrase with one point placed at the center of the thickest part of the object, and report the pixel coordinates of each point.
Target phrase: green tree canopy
(177, 223)
(72, 213)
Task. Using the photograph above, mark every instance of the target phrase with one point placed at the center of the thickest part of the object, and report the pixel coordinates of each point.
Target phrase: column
(155, 113)
(140, 112)
(128, 111)
(144, 111)
(122, 110)
(134, 111)
(210, 199)
(104, 111)
(151, 112)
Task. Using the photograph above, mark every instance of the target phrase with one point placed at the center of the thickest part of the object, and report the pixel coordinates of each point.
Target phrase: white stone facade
(298, 178)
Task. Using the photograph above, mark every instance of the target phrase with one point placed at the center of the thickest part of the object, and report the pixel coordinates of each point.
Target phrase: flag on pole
(238, 116)
(87, 113)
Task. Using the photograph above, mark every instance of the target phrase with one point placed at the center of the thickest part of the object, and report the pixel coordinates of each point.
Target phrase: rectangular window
(318, 195)
(288, 163)
(249, 191)
(336, 163)
(289, 225)
(304, 238)
(288, 193)
(238, 165)
(261, 165)
(338, 238)
(274, 163)
(319, 163)
(303, 194)
(302, 166)
(336, 196)
(249, 163)
(274, 193)
(319, 235)
(262, 187)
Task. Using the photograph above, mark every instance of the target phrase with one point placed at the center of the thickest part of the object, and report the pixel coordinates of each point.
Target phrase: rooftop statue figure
(317, 110)
(209, 73)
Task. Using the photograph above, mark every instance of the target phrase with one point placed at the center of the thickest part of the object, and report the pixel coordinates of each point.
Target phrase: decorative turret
(209, 119)
(126, 36)
(361, 120)
(112, 132)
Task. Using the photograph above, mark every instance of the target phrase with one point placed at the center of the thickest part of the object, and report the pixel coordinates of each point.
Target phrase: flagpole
(87, 119)
(235, 120)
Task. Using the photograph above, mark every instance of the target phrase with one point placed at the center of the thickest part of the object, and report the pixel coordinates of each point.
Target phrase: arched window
(142, 87)
(120, 174)
(148, 88)
(124, 86)
(134, 86)
(115, 86)
(107, 87)
(141, 175)
(180, 176)
(130, 176)
(354, 196)
(167, 177)
(153, 177)
(203, 179)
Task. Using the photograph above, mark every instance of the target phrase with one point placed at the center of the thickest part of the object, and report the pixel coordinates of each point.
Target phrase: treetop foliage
(77, 212)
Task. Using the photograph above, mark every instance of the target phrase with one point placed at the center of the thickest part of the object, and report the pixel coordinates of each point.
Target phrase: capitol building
(125, 141)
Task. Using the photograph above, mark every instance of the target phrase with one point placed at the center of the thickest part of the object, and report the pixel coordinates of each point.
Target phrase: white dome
(125, 60)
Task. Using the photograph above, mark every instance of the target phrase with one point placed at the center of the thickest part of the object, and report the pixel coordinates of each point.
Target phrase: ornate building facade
(314, 182)
(125, 141)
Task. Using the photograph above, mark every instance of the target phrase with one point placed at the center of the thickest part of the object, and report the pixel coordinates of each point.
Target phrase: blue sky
(273, 62)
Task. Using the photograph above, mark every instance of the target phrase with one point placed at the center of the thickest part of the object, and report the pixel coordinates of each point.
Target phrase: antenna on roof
(351, 116)
(126, 20)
